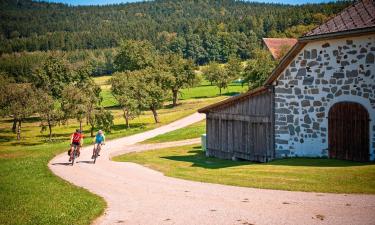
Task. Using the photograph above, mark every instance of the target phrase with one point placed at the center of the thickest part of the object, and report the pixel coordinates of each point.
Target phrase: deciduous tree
(124, 87)
(135, 55)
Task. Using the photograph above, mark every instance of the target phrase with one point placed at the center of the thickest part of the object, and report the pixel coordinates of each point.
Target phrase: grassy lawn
(298, 174)
(31, 194)
(193, 131)
(204, 90)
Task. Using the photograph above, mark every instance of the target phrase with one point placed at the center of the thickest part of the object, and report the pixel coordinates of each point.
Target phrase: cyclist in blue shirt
(99, 140)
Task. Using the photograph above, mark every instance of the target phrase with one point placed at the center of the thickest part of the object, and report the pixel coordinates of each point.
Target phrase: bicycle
(96, 151)
(75, 154)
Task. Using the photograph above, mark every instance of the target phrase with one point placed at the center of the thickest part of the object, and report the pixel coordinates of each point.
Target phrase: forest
(203, 30)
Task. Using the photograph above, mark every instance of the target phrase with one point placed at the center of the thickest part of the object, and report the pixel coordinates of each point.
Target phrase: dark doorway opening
(348, 132)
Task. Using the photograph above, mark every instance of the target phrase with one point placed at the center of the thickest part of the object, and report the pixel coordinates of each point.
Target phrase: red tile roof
(276, 45)
(357, 16)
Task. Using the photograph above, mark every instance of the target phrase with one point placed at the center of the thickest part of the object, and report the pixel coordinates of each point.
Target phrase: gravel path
(138, 195)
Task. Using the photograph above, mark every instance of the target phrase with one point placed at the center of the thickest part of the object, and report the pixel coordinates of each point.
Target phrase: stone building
(323, 98)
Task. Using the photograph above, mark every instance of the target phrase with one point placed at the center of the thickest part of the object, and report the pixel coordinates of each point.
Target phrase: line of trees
(146, 78)
(55, 94)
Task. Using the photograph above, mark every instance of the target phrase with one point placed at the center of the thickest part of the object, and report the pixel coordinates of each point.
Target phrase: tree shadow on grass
(118, 127)
(198, 158)
(232, 93)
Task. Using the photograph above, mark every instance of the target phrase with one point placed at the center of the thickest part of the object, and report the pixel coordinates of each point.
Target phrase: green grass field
(193, 131)
(31, 194)
(297, 174)
(204, 90)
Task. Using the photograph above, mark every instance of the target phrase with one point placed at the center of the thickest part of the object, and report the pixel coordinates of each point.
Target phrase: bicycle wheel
(96, 153)
(74, 154)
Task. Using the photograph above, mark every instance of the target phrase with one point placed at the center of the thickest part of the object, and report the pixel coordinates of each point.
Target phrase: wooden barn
(319, 101)
(242, 127)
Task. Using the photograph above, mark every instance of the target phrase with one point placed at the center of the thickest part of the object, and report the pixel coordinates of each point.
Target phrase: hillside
(204, 30)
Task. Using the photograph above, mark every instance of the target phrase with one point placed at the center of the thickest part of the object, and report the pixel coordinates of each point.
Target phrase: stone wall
(322, 74)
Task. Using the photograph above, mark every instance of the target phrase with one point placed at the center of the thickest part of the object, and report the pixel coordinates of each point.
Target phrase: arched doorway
(348, 132)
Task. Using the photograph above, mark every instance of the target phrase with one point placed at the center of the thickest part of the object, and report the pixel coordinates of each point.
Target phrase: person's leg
(78, 150)
(99, 148)
(71, 152)
(93, 151)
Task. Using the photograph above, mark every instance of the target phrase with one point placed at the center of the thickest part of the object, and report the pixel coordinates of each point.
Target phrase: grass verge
(193, 131)
(297, 174)
(31, 194)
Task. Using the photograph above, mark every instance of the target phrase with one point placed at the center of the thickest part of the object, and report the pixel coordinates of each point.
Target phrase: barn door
(348, 131)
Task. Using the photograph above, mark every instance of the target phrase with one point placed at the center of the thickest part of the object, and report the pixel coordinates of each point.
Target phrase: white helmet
(100, 132)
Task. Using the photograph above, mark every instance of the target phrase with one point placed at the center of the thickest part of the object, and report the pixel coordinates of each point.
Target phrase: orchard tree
(48, 112)
(73, 103)
(18, 101)
(152, 90)
(219, 75)
(103, 120)
(124, 87)
(234, 67)
(53, 76)
(180, 74)
(258, 69)
(223, 78)
(135, 55)
(210, 72)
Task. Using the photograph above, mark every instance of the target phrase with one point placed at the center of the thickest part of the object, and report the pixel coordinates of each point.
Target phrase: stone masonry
(322, 74)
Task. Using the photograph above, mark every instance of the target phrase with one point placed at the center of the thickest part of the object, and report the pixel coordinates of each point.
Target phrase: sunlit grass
(193, 131)
(297, 174)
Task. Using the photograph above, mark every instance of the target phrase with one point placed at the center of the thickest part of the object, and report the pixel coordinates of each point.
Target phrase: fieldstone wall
(323, 73)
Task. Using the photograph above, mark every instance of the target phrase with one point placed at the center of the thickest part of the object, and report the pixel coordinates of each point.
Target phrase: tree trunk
(156, 117)
(126, 117)
(50, 130)
(220, 90)
(174, 97)
(19, 130)
(127, 121)
(92, 131)
(80, 125)
(14, 127)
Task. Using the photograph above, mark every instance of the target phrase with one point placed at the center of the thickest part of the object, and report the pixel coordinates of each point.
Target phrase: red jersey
(77, 137)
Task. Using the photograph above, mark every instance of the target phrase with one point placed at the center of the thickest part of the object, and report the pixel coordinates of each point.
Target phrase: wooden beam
(251, 119)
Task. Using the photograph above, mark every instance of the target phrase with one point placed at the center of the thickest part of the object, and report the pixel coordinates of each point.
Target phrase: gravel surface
(138, 195)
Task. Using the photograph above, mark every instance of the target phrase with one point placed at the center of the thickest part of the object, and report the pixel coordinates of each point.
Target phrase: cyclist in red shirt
(76, 140)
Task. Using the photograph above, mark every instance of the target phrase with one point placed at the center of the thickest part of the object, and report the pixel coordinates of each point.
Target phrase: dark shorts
(76, 143)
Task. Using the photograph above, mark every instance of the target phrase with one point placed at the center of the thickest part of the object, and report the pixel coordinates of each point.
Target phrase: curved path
(138, 195)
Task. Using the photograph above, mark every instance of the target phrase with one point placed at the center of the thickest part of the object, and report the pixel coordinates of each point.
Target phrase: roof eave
(339, 34)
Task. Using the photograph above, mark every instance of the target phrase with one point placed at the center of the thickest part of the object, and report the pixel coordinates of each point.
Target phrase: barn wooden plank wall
(243, 130)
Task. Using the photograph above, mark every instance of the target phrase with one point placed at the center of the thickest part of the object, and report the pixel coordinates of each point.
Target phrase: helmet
(100, 132)
(78, 130)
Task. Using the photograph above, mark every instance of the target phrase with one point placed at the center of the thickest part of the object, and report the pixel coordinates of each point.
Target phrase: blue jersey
(99, 138)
